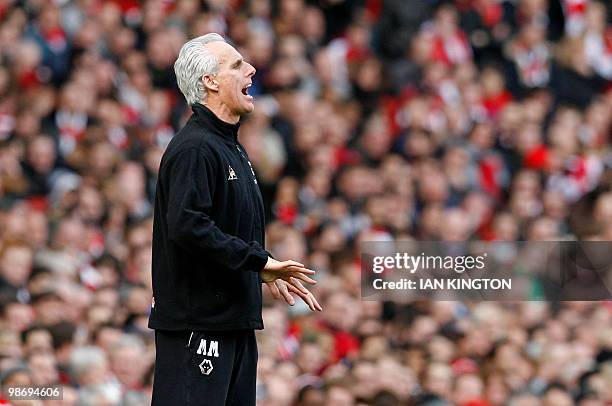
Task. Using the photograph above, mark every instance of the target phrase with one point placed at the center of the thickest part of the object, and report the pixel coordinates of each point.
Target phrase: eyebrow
(237, 63)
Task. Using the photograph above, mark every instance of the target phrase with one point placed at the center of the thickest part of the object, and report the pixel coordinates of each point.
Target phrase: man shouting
(208, 241)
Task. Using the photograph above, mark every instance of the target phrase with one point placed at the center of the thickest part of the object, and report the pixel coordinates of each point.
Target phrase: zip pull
(249, 162)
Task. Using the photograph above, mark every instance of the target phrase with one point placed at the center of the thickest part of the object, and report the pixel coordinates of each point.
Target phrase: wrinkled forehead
(225, 53)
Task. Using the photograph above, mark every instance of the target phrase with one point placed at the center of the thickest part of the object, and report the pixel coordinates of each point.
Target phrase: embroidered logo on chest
(232, 174)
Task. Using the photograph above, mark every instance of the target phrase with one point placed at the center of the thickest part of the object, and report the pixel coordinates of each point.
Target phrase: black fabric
(228, 372)
(208, 231)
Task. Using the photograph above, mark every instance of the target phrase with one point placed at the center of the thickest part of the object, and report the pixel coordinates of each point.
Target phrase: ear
(210, 83)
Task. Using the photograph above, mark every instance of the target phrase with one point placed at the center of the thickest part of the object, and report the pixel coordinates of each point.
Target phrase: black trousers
(205, 368)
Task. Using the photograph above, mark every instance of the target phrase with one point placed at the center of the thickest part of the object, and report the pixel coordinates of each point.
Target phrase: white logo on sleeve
(232, 174)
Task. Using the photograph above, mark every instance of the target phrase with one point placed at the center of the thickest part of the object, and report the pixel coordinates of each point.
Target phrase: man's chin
(248, 108)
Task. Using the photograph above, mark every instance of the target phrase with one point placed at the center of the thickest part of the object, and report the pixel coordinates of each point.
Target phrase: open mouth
(245, 90)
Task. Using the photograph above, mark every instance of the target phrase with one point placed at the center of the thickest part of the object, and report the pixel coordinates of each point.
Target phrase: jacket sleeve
(191, 180)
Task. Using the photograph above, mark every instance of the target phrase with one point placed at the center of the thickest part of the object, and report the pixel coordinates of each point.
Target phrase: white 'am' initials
(213, 348)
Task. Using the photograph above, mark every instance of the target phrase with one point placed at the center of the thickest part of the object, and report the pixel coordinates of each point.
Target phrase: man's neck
(222, 112)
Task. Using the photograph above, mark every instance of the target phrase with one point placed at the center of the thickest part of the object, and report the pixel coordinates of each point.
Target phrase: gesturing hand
(284, 277)
(280, 290)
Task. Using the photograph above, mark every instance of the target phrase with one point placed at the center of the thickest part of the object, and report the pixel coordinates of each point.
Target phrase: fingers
(289, 263)
(302, 277)
(300, 273)
(307, 297)
(311, 300)
(289, 274)
(279, 291)
(296, 283)
(282, 286)
(274, 290)
(299, 269)
(312, 303)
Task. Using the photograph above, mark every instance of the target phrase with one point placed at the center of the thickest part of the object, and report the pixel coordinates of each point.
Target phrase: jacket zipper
(253, 194)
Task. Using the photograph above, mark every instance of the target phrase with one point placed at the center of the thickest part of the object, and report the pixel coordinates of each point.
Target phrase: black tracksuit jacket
(208, 231)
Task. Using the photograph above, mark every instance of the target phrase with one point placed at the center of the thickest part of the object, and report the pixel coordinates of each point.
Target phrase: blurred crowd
(374, 120)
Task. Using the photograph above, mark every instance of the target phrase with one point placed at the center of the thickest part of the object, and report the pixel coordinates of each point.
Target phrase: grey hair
(127, 341)
(82, 359)
(195, 61)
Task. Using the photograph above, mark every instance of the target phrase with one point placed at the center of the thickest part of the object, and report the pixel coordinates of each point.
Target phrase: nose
(250, 70)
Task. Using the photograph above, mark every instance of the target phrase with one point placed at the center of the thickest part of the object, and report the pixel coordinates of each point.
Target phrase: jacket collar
(210, 120)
